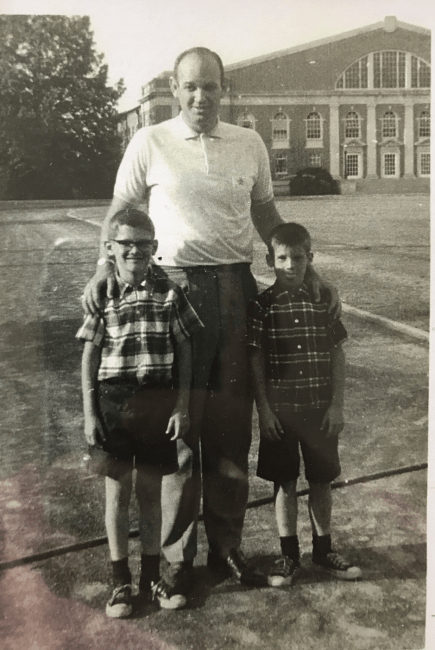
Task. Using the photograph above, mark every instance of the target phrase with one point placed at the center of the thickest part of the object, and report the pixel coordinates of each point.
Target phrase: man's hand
(103, 280)
(270, 427)
(316, 284)
(178, 425)
(333, 421)
(94, 432)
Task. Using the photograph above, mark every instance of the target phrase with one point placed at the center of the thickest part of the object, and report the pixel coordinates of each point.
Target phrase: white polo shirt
(200, 188)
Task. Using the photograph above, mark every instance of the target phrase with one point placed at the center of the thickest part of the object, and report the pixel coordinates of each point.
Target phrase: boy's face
(290, 264)
(132, 249)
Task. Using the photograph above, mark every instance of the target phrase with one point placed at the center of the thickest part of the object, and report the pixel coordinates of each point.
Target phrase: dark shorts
(135, 419)
(280, 461)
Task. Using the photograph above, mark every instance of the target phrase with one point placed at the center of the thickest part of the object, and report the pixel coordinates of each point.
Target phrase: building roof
(389, 24)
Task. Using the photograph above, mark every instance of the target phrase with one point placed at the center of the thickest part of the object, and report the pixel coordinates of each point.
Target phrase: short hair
(289, 234)
(129, 217)
(200, 51)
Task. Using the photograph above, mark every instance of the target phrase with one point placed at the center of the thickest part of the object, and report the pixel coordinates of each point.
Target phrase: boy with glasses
(136, 376)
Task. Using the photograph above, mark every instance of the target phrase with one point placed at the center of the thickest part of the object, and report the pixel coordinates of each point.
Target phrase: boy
(297, 364)
(136, 374)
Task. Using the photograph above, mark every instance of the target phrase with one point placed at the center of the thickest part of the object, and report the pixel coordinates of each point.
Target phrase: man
(207, 183)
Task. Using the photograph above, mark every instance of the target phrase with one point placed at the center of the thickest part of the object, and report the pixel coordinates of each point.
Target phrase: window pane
(424, 75)
(424, 128)
(352, 125)
(377, 70)
(315, 160)
(401, 69)
(389, 70)
(389, 125)
(352, 164)
(314, 131)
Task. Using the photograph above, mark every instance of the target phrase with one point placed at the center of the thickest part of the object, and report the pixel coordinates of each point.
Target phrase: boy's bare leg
(286, 509)
(148, 492)
(319, 508)
(118, 493)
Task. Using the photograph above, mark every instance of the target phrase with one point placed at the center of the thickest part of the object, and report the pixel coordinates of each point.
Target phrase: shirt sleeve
(255, 324)
(185, 320)
(262, 191)
(92, 330)
(130, 184)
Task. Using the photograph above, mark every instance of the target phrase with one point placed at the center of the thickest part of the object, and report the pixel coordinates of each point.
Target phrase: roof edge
(322, 41)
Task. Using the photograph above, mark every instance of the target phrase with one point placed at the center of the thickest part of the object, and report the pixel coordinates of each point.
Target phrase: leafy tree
(57, 115)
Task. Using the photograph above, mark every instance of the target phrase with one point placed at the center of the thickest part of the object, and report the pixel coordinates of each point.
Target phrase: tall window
(315, 160)
(389, 125)
(389, 69)
(425, 164)
(280, 130)
(247, 120)
(352, 125)
(314, 126)
(281, 165)
(424, 125)
(420, 73)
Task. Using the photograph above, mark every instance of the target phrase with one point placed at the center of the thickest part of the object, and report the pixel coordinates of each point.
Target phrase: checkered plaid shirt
(138, 329)
(296, 337)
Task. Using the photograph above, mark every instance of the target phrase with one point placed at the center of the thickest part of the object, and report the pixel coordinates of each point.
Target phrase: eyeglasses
(142, 244)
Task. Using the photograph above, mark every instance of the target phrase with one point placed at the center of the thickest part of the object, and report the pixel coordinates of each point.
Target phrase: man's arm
(90, 363)
(333, 422)
(270, 427)
(104, 278)
(265, 216)
(179, 424)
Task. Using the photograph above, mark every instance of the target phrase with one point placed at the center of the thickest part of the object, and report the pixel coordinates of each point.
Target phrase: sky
(141, 38)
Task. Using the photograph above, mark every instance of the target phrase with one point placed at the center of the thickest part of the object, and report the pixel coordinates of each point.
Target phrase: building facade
(357, 104)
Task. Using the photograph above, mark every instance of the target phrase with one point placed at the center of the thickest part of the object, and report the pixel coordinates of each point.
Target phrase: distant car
(312, 181)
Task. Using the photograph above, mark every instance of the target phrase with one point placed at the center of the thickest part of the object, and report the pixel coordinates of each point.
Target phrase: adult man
(207, 183)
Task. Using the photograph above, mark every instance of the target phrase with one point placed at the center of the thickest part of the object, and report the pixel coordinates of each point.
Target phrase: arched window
(389, 69)
(420, 73)
(280, 131)
(352, 125)
(424, 125)
(314, 126)
(389, 125)
(355, 76)
(247, 120)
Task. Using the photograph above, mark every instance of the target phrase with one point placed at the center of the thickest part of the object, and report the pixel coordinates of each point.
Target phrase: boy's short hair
(129, 217)
(289, 234)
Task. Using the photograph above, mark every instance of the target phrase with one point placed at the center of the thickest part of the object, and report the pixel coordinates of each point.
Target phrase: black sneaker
(283, 571)
(162, 594)
(119, 605)
(338, 566)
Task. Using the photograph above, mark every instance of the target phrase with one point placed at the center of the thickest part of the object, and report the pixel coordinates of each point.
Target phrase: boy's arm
(179, 422)
(94, 432)
(333, 422)
(270, 427)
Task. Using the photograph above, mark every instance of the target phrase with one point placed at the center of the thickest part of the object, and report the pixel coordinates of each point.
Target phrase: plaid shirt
(138, 329)
(296, 337)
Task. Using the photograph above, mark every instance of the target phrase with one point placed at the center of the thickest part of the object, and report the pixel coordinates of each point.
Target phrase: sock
(150, 571)
(290, 547)
(121, 572)
(321, 546)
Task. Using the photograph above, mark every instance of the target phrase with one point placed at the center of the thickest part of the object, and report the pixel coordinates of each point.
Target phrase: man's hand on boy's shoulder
(100, 285)
(321, 290)
(333, 421)
(178, 425)
(270, 426)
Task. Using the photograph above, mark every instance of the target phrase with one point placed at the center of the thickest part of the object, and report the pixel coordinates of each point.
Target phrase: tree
(58, 134)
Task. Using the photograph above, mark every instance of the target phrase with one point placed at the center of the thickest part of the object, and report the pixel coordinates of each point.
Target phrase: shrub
(313, 181)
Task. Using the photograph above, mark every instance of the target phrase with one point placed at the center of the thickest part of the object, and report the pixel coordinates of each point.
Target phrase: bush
(313, 181)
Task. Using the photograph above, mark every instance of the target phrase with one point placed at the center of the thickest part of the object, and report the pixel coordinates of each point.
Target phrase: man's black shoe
(235, 565)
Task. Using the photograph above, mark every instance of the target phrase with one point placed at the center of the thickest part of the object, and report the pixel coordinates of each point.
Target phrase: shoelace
(119, 591)
(338, 561)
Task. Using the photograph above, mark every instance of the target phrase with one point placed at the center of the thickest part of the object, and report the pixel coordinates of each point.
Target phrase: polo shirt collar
(186, 133)
(147, 284)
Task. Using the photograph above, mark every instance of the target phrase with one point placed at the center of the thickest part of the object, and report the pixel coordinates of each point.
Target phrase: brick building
(357, 104)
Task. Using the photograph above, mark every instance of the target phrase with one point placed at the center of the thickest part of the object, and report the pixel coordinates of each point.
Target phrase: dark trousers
(221, 416)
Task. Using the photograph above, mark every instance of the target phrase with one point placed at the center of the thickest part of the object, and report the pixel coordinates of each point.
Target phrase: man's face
(132, 249)
(290, 264)
(199, 91)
